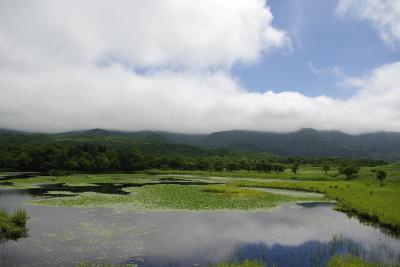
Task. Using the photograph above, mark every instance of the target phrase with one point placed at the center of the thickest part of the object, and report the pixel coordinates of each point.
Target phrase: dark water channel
(104, 188)
(292, 235)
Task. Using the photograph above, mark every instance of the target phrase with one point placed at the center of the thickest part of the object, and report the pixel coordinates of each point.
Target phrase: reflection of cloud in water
(216, 235)
(68, 235)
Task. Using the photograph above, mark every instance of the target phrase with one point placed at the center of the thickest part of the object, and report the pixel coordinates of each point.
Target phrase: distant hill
(309, 143)
(305, 142)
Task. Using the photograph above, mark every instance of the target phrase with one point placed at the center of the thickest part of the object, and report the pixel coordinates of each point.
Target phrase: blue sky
(323, 38)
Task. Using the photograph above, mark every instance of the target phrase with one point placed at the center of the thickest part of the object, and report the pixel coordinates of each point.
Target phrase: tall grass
(13, 226)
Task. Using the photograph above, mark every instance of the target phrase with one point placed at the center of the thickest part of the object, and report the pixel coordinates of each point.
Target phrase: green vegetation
(307, 173)
(380, 176)
(295, 167)
(246, 263)
(303, 143)
(326, 167)
(351, 261)
(362, 187)
(349, 170)
(370, 201)
(362, 196)
(83, 179)
(103, 151)
(178, 197)
(12, 226)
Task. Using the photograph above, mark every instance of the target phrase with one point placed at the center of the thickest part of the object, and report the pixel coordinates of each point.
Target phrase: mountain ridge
(306, 142)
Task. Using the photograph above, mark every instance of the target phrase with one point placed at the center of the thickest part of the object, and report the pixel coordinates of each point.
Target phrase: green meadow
(362, 196)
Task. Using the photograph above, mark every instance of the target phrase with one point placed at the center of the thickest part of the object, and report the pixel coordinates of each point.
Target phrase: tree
(326, 167)
(232, 166)
(349, 170)
(101, 162)
(219, 166)
(201, 164)
(278, 168)
(24, 160)
(380, 176)
(263, 166)
(244, 165)
(295, 167)
(72, 164)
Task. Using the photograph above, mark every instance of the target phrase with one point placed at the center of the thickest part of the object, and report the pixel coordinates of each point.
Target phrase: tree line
(92, 157)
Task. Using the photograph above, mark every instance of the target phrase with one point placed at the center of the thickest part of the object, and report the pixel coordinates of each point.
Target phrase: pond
(291, 235)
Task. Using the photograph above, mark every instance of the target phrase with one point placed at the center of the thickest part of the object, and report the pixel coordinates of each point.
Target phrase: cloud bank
(163, 65)
(151, 33)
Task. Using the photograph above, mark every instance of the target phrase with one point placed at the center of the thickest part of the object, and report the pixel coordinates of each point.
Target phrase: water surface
(292, 235)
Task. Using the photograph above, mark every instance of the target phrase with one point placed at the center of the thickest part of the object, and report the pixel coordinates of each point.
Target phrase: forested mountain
(309, 143)
(302, 143)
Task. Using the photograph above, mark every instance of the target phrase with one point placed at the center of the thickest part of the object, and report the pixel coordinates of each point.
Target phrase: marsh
(288, 234)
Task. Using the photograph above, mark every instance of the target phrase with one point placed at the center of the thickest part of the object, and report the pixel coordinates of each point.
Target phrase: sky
(200, 66)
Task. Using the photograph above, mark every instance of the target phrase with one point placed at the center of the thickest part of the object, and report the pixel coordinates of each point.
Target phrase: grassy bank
(368, 200)
(306, 173)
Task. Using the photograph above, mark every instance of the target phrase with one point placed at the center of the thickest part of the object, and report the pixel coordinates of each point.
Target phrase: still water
(292, 235)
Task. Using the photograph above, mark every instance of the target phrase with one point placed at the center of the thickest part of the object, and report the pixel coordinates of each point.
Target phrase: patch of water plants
(178, 197)
(13, 225)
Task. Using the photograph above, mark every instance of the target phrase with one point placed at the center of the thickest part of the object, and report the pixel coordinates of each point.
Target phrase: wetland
(156, 220)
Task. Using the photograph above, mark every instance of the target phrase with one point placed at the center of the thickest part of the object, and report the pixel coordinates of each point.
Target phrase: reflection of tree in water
(315, 253)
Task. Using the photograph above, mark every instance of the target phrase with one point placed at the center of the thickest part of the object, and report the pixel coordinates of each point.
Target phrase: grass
(351, 261)
(246, 263)
(178, 197)
(13, 226)
(370, 201)
(306, 173)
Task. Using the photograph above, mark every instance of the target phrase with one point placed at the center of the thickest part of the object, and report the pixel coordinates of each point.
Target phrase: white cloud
(151, 33)
(113, 97)
(384, 15)
(54, 76)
